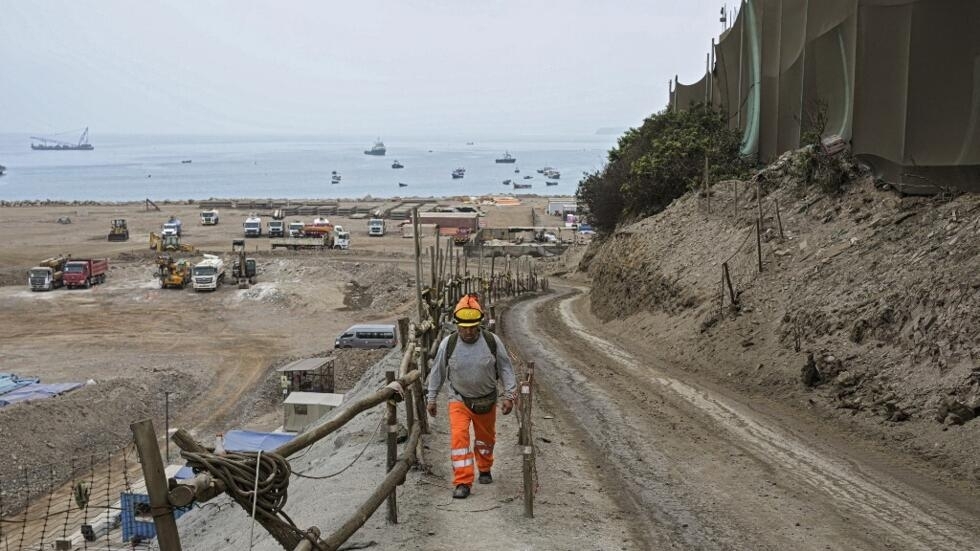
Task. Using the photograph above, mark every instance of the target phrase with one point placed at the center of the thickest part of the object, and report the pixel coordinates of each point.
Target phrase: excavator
(174, 274)
(160, 243)
(119, 230)
(247, 276)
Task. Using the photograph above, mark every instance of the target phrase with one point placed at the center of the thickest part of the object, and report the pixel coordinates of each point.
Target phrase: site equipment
(317, 230)
(85, 272)
(172, 227)
(119, 230)
(376, 227)
(209, 273)
(276, 228)
(461, 237)
(173, 274)
(209, 217)
(49, 274)
(253, 225)
(169, 243)
(246, 276)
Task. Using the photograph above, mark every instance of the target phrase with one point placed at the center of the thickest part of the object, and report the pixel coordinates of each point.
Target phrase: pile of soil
(867, 310)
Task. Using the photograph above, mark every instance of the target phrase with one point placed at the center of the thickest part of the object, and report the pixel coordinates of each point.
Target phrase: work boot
(485, 478)
(461, 491)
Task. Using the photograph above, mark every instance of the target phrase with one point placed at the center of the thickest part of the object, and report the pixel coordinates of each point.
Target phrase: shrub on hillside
(658, 162)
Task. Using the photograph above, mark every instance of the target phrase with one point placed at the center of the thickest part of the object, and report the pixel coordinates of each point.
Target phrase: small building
(302, 408)
(307, 375)
(561, 207)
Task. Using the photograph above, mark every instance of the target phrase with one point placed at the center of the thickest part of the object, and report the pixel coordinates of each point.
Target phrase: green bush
(657, 163)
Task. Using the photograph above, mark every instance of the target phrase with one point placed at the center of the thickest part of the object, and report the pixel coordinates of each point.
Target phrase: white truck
(253, 226)
(341, 238)
(208, 274)
(276, 228)
(296, 228)
(376, 227)
(171, 227)
(209, 217)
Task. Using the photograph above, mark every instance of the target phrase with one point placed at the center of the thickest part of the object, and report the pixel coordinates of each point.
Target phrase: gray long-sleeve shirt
(472, 371)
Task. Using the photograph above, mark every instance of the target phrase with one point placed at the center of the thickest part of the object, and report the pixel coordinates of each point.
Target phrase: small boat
(2, 170)
(335, 179)
(396, 164)
(402, 185)
(508, 182)
(186, 162)
(507, 158)
(551, 183)
(459, 173)
(333, 172)
(528, 177)
(517, 171)
(469, 143)
(521, 186)
(545, 169)
(378, 149)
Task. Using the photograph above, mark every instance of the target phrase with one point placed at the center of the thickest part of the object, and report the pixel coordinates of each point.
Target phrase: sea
(171, 167)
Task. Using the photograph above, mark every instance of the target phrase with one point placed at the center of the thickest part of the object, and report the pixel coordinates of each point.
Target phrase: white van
(368, 336)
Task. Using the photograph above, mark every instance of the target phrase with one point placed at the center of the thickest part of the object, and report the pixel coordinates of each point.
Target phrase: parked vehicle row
(63, 270)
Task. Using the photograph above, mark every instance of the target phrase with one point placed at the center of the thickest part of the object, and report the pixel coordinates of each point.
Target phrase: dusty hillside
(882, 290)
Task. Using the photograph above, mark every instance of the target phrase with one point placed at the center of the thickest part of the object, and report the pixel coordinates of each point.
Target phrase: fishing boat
(52, 144)
(508, 182)
(528, 177)
(377, 149)
(396, 164)
(2, 170)
(521, 186)
(186, 161)
(459, 173)
(335, 179)
(507, 158)
(402, 185)
(551, 183)
(552, 173)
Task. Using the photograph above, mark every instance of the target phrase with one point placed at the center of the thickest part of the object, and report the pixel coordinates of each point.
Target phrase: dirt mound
(882, 290)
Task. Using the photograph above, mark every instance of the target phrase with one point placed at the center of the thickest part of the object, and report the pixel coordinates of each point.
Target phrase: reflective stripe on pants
(460, 418)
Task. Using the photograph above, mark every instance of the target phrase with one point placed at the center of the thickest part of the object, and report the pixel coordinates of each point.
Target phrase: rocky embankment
(867, 309)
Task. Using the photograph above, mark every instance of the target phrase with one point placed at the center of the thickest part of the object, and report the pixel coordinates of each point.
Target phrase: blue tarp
(36, 391)
(245, 441)
(9, 382)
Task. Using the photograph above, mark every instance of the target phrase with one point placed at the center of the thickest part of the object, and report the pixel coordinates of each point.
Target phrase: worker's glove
(506, 406)
(431, 408)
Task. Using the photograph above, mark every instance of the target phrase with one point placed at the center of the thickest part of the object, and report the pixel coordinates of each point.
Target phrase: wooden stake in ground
(528, 464)
(156, 485)
(392, 449)
(418, 261)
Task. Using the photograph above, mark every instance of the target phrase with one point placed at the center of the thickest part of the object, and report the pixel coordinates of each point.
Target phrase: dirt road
(700, 468)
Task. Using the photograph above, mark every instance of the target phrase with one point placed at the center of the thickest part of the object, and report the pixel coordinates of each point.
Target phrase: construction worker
(472, 359)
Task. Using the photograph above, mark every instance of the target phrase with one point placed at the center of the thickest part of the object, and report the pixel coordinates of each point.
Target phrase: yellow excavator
(173, 274)
(118, 231)
(161, 243)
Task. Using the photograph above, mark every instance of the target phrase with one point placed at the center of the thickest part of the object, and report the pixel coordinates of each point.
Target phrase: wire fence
(758, 218)
(75, 506)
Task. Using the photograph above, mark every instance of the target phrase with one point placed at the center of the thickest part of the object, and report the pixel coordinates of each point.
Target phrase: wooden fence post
(528, 443)
(392, 449)
(779, 219)
(156, 485)
(758, 241)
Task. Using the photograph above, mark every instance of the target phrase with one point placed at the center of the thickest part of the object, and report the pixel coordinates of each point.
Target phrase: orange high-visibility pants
(484, 433)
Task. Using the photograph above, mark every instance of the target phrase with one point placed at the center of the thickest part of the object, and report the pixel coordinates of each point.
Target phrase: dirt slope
(882, 290)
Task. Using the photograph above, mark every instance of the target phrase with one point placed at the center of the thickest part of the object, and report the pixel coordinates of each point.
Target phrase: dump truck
(172, 227)
(304, 243)
(209, 217)
(173, 274)
(208, 274)
(253, 226)
(48, 274)
(119, 231)
(85, 272)
(376, 227)
(276, 228)
(243, 269)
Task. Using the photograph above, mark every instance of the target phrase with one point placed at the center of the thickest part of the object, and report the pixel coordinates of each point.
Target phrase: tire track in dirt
(713, 483)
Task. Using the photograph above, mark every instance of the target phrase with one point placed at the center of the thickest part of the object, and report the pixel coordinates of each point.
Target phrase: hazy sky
(452, 67)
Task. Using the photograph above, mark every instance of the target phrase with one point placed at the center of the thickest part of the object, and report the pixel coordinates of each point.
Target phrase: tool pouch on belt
(481, 405)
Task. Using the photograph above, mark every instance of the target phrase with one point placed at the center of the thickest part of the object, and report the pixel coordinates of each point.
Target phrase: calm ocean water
(132, 168)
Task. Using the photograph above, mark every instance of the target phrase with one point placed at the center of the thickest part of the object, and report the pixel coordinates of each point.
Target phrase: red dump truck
(85, 272)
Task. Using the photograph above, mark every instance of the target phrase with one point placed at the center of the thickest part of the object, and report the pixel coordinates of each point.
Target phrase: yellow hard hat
(468, 312)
